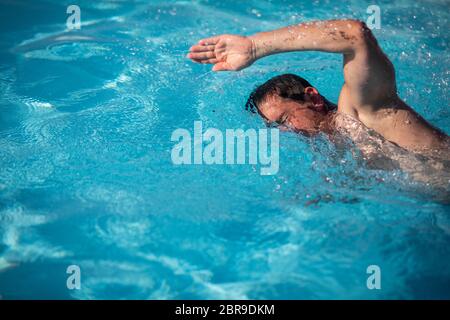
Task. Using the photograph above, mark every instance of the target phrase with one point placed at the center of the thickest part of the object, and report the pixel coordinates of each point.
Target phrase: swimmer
(368, 95)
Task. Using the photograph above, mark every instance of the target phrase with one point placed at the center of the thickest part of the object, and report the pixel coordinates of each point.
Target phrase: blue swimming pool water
(86, 176)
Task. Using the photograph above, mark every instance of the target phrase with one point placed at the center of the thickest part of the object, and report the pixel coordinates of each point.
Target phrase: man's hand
(226, 52)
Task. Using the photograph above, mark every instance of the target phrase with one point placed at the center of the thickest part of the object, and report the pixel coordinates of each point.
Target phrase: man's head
(290, 102)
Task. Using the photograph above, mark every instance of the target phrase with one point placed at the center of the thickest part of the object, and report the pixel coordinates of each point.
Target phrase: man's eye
(283, 119)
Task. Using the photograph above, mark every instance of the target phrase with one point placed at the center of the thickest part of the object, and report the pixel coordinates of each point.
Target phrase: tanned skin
(369, 93)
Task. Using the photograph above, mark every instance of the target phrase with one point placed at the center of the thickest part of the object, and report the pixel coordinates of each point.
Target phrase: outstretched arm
(368, 73)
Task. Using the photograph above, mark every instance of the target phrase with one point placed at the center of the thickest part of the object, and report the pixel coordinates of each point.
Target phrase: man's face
(299, 116)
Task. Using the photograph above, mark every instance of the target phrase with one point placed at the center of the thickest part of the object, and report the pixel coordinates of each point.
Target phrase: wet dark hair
(286, 86)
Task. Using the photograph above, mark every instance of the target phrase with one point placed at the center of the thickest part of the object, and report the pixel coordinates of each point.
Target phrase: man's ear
(311, 91)
(316, 98)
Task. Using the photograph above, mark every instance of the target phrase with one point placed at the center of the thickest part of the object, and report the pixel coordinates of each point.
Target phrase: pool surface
(86, 176)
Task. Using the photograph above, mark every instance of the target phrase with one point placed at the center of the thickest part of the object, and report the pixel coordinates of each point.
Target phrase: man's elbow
(360, 33)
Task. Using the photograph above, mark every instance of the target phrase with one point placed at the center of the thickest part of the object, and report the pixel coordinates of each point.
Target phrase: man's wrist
(257, 49)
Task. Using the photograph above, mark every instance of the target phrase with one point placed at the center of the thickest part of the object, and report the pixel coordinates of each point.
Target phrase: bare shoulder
(402, 125)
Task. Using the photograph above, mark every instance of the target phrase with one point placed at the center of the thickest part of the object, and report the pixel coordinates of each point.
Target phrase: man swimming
(368, 96)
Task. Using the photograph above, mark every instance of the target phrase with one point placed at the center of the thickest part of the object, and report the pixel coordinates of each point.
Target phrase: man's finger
(206, 61)
(209, 41)
(199, 48)
(201, 55)
(211, 61)
(196, 61)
